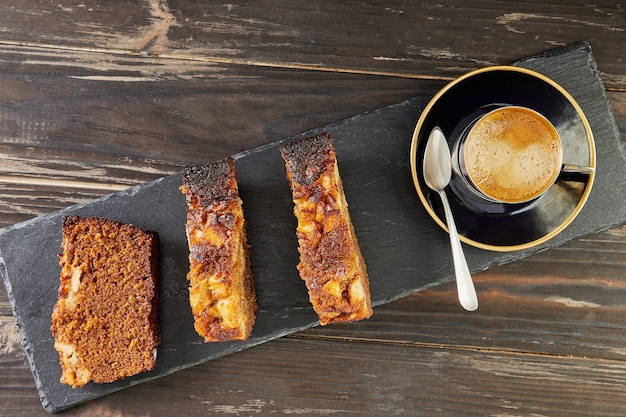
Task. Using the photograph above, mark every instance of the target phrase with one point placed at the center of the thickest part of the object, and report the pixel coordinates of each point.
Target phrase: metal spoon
(437, 174)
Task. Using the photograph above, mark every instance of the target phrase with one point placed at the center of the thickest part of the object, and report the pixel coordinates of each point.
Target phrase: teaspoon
(437, 174)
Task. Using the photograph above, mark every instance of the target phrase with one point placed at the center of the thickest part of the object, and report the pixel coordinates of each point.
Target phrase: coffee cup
(509, 155)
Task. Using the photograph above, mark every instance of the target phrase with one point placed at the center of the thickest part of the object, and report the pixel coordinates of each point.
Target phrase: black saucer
(496, 226)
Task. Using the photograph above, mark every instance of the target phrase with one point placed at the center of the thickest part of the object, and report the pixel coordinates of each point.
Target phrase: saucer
(498, 226)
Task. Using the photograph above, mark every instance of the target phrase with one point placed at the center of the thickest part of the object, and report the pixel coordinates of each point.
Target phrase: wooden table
(98, 96)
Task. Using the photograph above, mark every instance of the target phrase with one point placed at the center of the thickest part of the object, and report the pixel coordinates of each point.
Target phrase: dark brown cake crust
(307, 158)
(210, 184)
(105, 321)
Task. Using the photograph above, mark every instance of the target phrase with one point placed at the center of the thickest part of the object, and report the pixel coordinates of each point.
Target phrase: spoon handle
(464, 283)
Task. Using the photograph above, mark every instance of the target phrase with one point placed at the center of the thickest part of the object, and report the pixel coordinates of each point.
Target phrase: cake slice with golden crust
(331, 263)
(221, 287)
(105, 320)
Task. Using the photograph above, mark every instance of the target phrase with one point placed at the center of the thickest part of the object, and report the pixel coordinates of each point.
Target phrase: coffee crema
(512, 154)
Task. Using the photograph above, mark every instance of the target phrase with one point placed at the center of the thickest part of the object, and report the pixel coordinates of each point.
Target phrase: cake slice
(105, 320)
(221, 287)
(331, 263)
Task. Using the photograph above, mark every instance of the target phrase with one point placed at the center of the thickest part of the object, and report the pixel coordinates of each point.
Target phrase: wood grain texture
(375, 380)
(65, 132)
(98, 96)
(432, 40)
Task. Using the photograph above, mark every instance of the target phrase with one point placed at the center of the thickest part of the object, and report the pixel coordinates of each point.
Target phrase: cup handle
(578, 173)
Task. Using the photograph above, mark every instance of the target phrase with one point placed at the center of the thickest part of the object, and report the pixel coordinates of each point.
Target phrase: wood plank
(18, 387)
(170, 110)
(67, 136)
(429, 40)
(368, 378)
(380, 382)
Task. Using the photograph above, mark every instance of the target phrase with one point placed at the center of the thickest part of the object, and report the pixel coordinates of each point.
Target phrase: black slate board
(404, 249)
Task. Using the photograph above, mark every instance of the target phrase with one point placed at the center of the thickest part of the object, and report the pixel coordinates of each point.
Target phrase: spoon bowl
(437, 173)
